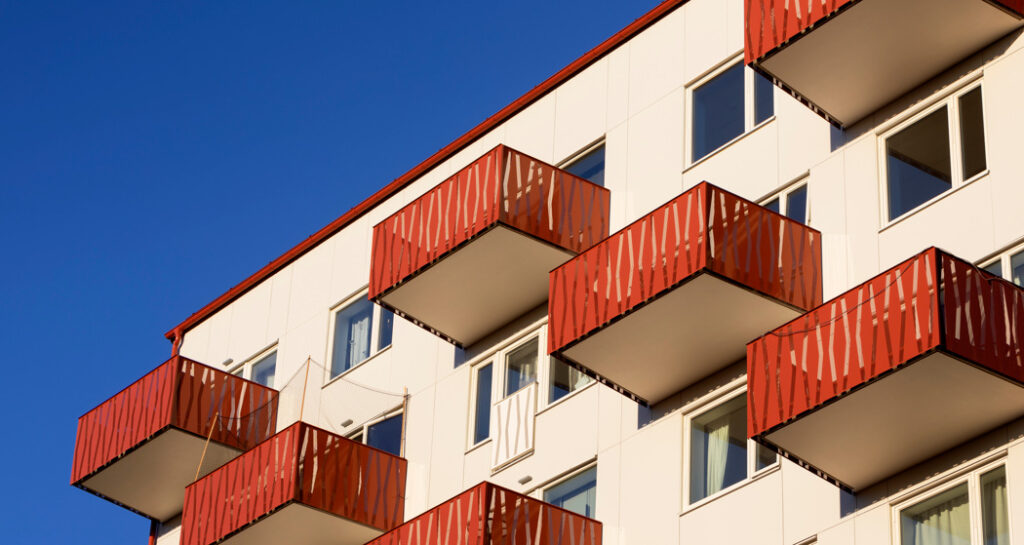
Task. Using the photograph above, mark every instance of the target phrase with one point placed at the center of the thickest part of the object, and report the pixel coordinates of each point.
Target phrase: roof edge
(548, 85)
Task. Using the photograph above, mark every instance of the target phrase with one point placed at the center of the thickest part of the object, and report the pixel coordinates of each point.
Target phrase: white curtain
(945, 523)
(994, 509)
(359, 339)
(718, 453)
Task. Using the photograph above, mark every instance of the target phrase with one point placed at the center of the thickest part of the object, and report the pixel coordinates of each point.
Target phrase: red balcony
(848, 58)
(907, 365)
(141, 447)
(473, 253)
(677, 295)
(303, 486)
(490, 515)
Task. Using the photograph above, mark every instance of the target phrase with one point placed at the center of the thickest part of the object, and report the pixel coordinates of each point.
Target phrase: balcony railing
(848, 58)
(304, 483)
(490, 515)
(907, 365)
(473, 253)
(141, 447)
(677, 294)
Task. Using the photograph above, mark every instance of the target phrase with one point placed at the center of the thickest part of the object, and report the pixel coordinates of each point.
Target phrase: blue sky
(154, 154)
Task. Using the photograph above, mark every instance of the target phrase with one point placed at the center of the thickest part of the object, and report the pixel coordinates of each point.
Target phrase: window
(791, 203)
(726, 104)
(589, 165)
(936, 152)
(720, 453)
(521, 366)
(361, 329)
(945, 517)
(482, 407)
(577, 493)
(259, 368)
(1009, 265)
(384, 434)
(564, 380)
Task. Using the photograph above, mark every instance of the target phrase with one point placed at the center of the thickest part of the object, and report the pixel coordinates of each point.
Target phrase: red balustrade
(181, 394)
(490, 515)
(301, 465)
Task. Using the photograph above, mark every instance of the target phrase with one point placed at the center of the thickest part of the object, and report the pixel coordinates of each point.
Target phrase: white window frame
(359, 434)
(581, 153)
(374, 335)
(1004, 257)
(729, 393)
(538, 492)
(949, 99)
(783, 196)
(244, 369)
(970, 475)
(497, 358)
(749, 105)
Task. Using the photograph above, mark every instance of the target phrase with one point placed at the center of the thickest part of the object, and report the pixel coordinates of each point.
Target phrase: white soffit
(298, 524)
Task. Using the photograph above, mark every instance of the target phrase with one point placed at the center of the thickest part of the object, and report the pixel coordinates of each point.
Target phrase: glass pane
(352, 326)
(996, 267)
(1017, 269)
(837, 137)
(764, 98)
(521, 367)
(387, 325)
(941, 520)
(765, 457)
(773, 205)
(717, 111)
(386, 435)
(972, 133)
(995, 515)
(482, 426)
(577, 494)
(263, 370)
(590, 166)
(718, 449)
(918, 163)
(796, 204)
(565, 380)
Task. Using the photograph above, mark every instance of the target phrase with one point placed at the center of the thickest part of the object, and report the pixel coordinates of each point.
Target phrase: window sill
(771, 470)
(566, 397)
(728, 144)
(928, 204)
(478, 446)
(357, 366)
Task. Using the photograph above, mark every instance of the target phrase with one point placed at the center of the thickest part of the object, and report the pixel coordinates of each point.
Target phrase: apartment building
(747, 272)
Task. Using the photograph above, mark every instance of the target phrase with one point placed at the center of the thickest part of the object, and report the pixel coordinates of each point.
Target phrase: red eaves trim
(662, 9)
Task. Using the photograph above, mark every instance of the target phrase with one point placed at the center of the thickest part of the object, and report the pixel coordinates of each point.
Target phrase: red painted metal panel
(931, 301)
(180, 393)
(705, 228)
(503, 186)
(490, 515)
(300, 464)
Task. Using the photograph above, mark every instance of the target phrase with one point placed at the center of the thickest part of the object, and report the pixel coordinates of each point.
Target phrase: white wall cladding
(635, 99)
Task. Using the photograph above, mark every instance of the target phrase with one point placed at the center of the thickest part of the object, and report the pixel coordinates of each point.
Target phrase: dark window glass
(764, 98)
(352, 326)
(718, 449)
(765, 457)
(918, 163)
(386, 435)
(773, 205)
(837, 137)
(589, 167)
(263, 370)
(995, 523)
(577, 494)
(482, 426)
(565, 380)
(521, 367)
(796, 204)
(995, 267)
(718, 111)
(387, 325)
(972, 133)
(1017, 269)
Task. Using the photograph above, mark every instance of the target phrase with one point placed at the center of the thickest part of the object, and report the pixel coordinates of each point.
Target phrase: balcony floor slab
(298, 524)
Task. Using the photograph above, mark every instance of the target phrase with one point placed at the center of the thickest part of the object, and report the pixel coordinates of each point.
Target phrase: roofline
(548, 85)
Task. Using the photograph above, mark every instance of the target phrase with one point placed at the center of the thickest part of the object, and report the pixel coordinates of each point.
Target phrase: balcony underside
(878, 50)
(904, 418)
(298, 524)
(699, 327)
(151, 479)
(480, 286)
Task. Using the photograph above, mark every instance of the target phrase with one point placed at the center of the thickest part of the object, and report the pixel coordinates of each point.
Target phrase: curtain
(995, 513)
(359, 338)
(942, 521)
(718, 454)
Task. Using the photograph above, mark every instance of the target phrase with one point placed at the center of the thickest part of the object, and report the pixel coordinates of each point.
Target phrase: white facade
(637, 100)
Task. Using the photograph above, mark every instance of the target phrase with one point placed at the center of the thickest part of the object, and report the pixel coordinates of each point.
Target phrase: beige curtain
(718, 454)
(994, 511)
(945, 523)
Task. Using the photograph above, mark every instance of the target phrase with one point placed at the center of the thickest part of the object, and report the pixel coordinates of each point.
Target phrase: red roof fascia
(444, 153)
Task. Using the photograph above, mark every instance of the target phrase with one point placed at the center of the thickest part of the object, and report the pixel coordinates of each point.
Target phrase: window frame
(782, 194)
(332, 316)
(361, 432)
(728, 393)
(949, 99)
(244, 369)
(1005, 259)
(539, 491)
(749, 107)
(583, 152)
(971, 476)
